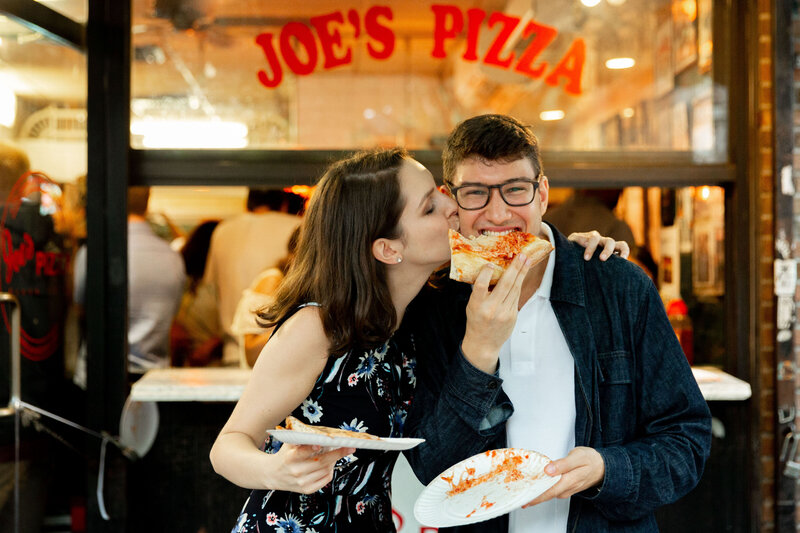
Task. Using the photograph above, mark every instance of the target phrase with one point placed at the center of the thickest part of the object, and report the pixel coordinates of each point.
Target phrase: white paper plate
(482, 487)
(303, 437)
(138, 426)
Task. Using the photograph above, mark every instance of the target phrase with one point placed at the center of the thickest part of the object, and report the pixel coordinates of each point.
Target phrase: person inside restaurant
(156, 279)
(242, 247)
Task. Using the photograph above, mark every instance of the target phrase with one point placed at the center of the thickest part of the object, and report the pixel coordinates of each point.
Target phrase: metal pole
(16, 393)
(14, 403)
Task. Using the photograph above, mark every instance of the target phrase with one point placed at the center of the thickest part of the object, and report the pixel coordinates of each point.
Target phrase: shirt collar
(546, 286)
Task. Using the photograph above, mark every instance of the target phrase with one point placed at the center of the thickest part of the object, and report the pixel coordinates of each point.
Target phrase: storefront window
(42, 189)
(620, 75)
(75, 9)
(678, 239)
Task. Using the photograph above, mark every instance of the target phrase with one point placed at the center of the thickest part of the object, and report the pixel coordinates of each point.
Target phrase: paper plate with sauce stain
(484, 486)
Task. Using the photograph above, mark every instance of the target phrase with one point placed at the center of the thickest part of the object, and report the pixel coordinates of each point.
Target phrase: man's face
(498, 216)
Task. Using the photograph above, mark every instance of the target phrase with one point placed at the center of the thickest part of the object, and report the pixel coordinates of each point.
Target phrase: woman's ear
(387, 251)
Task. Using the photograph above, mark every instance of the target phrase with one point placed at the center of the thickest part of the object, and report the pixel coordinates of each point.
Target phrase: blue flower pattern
(366, 391)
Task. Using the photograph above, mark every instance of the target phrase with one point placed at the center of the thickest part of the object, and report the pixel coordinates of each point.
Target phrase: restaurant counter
(173, 487)
(227, 384)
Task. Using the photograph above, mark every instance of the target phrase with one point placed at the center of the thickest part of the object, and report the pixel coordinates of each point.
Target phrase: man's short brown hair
(490, 138)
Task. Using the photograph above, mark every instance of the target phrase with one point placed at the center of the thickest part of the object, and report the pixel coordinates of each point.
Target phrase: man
(241, 248)
(588, 372)
(156, 280)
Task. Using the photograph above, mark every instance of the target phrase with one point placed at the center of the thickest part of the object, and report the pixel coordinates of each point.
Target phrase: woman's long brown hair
(357, 201)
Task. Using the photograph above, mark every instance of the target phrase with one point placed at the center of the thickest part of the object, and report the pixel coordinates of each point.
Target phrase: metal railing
(15, 399)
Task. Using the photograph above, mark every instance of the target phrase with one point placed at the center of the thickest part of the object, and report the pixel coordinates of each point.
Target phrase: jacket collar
(568, 278)
(569, 304)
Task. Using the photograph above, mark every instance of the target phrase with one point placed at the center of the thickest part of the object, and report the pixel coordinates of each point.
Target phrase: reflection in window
(43, 100)
(75, 9)
(678, 238)
(618, 75)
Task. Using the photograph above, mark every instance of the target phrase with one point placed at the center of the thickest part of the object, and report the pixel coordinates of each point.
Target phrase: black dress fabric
(368, 391)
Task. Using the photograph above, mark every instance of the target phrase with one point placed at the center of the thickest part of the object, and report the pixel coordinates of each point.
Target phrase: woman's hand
(592, 239)
(491, 314)
(303, 469)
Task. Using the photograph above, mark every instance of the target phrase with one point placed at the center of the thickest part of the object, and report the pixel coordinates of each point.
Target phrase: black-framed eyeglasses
(515, 193)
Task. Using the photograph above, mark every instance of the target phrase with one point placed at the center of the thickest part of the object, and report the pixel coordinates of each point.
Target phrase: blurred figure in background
(156, 279)
(32, 268)
(194, 337)
(252, 336)
(592, 209)
(242, 247)
(70, 223)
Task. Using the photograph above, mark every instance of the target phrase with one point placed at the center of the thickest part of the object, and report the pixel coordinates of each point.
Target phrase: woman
(375, 230)
(252, 336)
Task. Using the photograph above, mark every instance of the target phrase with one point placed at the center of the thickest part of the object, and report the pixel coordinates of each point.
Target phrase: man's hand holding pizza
(491, 314)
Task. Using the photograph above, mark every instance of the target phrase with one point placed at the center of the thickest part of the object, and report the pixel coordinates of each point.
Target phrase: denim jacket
(636, 400)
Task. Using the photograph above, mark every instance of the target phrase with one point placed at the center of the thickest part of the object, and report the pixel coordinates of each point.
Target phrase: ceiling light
(555, 114)
(628, 112)
(190, 133)
(8, 106)
(590, 3)
(619, 63)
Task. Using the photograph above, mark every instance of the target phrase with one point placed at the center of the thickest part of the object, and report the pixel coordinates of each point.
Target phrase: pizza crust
(469, 254)
(294, 424)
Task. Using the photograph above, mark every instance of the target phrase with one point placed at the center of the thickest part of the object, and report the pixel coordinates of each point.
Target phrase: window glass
(629, 75)
(74, 9)
(677, 238)
(42, 194)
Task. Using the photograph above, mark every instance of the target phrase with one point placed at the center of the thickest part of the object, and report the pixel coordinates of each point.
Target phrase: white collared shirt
(538, 376)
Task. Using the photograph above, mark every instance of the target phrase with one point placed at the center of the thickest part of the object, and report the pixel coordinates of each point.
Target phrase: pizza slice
(294, 424)
(469, 254)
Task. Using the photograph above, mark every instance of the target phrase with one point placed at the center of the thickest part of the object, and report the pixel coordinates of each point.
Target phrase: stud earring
(399, 259)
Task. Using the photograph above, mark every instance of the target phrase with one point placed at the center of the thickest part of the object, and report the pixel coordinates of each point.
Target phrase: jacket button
(492, 385)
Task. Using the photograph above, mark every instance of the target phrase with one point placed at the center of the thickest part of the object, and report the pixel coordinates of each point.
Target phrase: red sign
(449, 23)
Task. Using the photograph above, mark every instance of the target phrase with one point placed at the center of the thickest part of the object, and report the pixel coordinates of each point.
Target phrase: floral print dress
(367, 391)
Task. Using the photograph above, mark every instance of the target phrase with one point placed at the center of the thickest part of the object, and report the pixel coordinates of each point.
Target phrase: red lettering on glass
(570, 67)
(382, 34)
(352, 18)
(330, 38)
(305, 39)
(543, 36)
(475, 18)
(16, 259)
(49, 264)
(297, 44)
(441, 29)
(38, 348)
(264, 40)
(449, 21)
(508, 23)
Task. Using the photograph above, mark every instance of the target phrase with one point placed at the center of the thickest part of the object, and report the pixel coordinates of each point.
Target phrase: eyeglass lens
(514, 193)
